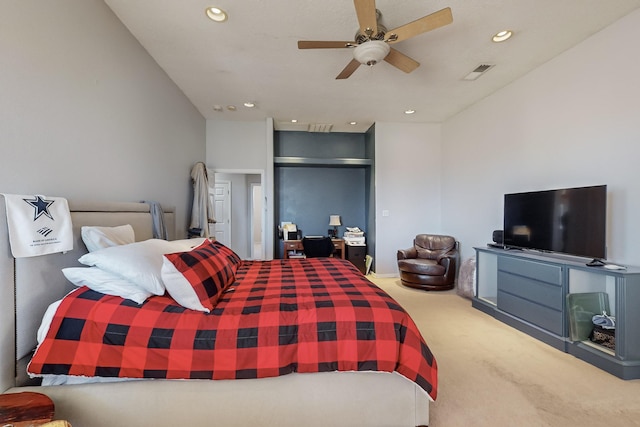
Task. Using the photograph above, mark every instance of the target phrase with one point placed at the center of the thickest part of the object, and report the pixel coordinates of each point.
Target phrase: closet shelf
(315, 161)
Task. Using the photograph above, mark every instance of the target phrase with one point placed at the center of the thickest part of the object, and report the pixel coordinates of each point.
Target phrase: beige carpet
(493, 375)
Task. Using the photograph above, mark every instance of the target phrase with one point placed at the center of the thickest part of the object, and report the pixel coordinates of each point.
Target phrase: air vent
(319, 127)
(478, 71)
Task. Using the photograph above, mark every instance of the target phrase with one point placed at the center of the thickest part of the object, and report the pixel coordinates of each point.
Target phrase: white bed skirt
(324, 399)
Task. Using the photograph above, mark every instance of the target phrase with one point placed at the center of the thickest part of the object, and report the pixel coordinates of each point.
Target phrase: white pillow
(187, 244)
(139, 262)
(105, 283)
(95, 238)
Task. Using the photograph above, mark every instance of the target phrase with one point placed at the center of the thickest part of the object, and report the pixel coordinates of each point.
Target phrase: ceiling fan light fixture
(371, 52)
(216, 14)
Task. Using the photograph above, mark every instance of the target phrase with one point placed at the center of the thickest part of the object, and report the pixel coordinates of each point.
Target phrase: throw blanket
(280, 316)
(157, 218)
(38, 225)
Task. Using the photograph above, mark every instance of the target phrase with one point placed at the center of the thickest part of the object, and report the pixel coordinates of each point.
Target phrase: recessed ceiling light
(216, 14)
(353, 123)
(502, 36)
(217, 108)
(409, 111)
(249, 104)
(294, 121)
(231, 107)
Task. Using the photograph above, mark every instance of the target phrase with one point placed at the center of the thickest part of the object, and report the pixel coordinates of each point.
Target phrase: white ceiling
(253, 56)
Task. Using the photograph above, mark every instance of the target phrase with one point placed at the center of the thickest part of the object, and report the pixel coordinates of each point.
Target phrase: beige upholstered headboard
(29, 285)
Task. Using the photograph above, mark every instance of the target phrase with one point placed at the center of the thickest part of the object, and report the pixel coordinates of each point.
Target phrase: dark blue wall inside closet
(307, 193)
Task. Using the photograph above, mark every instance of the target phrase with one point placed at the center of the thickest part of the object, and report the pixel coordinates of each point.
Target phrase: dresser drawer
(537, 314)
(292, 246)
(543, 293)
(542, 272)
(532, 291)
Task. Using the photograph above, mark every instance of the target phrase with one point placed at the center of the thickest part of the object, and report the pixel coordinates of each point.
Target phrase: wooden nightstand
(25, 409)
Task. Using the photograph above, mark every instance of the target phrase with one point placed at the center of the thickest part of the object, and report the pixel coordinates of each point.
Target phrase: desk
(296, 245)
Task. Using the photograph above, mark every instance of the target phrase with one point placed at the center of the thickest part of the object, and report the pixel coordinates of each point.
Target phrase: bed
(368, 392)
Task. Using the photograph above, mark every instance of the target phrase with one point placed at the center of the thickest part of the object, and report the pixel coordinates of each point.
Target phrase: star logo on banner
(41, 207)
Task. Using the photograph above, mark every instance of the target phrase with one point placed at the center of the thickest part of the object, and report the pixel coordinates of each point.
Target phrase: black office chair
(315, 247)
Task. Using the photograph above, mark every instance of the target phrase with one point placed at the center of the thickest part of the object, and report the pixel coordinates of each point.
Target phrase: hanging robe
(202, 209)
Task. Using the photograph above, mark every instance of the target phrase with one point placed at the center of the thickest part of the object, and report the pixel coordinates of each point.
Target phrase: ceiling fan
(372, 41)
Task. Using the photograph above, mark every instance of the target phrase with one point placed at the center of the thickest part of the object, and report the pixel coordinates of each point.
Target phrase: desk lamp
(334, 221)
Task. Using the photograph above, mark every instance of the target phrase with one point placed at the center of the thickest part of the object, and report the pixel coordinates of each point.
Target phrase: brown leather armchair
(430, 264)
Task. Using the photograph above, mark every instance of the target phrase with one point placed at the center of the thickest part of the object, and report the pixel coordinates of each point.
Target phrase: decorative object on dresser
(430, 264)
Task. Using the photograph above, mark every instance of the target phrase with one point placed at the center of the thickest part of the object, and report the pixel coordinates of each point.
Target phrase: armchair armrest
(451, 254)
(407, 253)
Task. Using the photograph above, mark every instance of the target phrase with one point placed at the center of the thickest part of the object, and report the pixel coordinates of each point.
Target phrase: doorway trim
(264, 214)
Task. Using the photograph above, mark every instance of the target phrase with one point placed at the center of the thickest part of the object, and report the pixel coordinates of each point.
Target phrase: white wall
(238, 145)
(86, 113)
(245, 147)
(408, 182)
(574, 121)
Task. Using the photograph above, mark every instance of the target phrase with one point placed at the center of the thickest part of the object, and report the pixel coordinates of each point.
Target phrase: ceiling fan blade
(401, 61)
(366, 11)
(426, 23)
(310, 44)
(348, 70)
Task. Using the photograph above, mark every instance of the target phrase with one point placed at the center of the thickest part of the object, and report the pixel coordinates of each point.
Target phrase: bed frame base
(333, 398)
(29, 285)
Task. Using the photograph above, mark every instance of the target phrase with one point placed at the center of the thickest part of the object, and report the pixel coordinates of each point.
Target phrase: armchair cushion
(421, 266)
(431, 246)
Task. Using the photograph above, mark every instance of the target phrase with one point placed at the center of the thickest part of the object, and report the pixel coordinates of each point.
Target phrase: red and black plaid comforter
(281, 316)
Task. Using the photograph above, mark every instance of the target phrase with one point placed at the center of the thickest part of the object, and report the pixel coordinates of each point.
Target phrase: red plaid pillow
(197, 278)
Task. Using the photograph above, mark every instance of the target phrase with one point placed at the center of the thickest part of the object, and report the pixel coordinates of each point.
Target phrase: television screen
(570, 221)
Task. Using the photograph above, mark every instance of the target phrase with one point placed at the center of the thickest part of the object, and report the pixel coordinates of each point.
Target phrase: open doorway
(243, 226)
(220, 196)
(256, 222)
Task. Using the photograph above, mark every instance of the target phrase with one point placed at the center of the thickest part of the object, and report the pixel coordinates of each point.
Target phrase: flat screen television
(570, 221)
